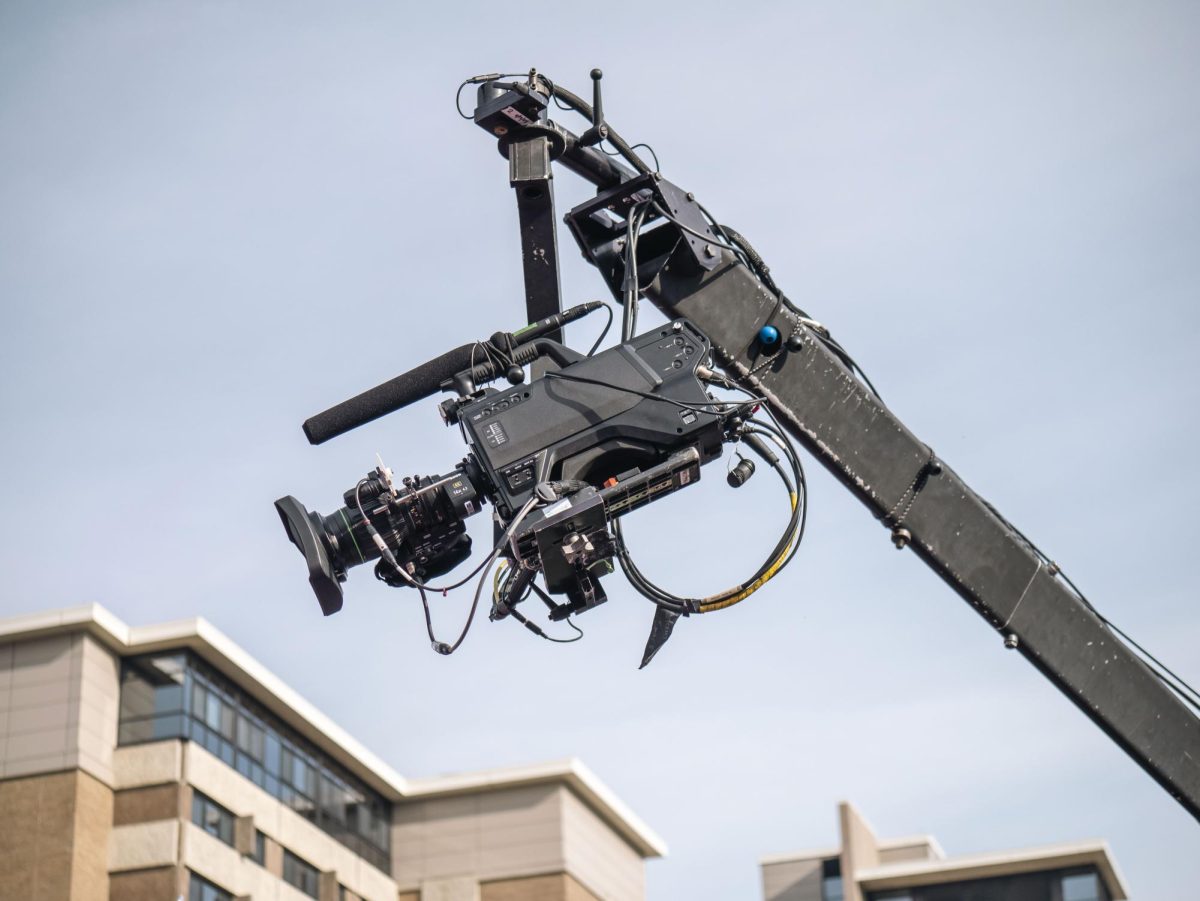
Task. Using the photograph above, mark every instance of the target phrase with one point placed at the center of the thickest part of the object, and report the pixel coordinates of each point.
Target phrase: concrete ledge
(142, 846)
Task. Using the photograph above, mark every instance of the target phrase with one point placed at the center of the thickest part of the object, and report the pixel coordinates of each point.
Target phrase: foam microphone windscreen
(413, 385)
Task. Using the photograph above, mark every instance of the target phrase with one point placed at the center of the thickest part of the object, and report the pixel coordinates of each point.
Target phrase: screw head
(1011, 641)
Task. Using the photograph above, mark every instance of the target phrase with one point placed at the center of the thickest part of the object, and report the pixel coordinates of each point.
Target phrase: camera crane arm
(689, 267)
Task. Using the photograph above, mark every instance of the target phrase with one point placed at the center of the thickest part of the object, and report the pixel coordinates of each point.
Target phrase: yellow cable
(726, 601)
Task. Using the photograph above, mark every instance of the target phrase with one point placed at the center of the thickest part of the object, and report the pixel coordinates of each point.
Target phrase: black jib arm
(687, 268)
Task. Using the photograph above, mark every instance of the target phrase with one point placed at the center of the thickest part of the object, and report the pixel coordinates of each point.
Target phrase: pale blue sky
(218, 218)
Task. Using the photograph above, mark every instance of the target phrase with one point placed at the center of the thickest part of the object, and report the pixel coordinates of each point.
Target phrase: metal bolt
(691, 196)
(708, 251)
(1011, 641)
(677, 325)
(901, 538)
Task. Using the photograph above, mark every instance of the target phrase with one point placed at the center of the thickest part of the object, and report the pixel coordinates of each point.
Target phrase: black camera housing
(597, 422)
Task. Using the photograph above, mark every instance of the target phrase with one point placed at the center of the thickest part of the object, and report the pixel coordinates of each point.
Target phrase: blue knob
(768, 335)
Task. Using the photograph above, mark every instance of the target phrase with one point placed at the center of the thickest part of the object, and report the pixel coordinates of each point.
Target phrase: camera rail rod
(917, 496)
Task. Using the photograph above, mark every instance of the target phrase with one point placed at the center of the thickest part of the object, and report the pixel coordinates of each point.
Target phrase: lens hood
(302, 528)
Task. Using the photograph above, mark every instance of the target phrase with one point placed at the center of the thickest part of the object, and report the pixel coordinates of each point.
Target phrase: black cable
(657, 167)
(793, 533)
(632, 287)
(440, 646)
(711, 239)
(604, 331)
(480, 79)
(695, 408)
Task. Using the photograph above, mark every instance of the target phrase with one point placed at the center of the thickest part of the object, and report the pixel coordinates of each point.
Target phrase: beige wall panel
(552, 887)
(597, 857)
(576, 891)
(45, 660)
(93, 828)
(860, 849)
(53, 713)
(149, 764)
(792, 880)
(95, 713)
(38, 694)
(54, 837)
(261, 885)
(31, 766)
(99, 664)
(456, 888)
(36, 743)
(492, 835)
(214, 860)
(51, 717)
(243, 798)
(144, 805)
(918, 850)
(145, 885)
(139, 846)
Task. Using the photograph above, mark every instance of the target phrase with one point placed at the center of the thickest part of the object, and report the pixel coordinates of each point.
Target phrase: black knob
(740, 474)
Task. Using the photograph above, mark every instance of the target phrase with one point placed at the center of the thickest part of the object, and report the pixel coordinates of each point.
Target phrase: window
(831, 880)
(1081, 887)
(259, 852)
(301, 874)
(202, 890)
(178, 695)
(212, 817)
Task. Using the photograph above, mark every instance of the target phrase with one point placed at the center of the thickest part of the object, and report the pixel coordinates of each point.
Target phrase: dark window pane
(168, 699)
(202, 890)
(831, 888)
(1083, 887)
(212, 817)
(199, 700)
(259, 854)
(300, 873)
(212, 711)
(170, 726)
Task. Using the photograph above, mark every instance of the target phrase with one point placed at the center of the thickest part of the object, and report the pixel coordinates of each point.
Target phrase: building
(865, 868)
(158, 763)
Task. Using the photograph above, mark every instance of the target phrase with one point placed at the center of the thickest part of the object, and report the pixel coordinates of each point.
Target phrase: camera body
(594, 421)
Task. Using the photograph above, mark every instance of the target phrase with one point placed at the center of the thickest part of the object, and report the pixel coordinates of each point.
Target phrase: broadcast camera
(560, 458)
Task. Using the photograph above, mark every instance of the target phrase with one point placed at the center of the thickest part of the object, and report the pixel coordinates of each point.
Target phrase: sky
(219, 218)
